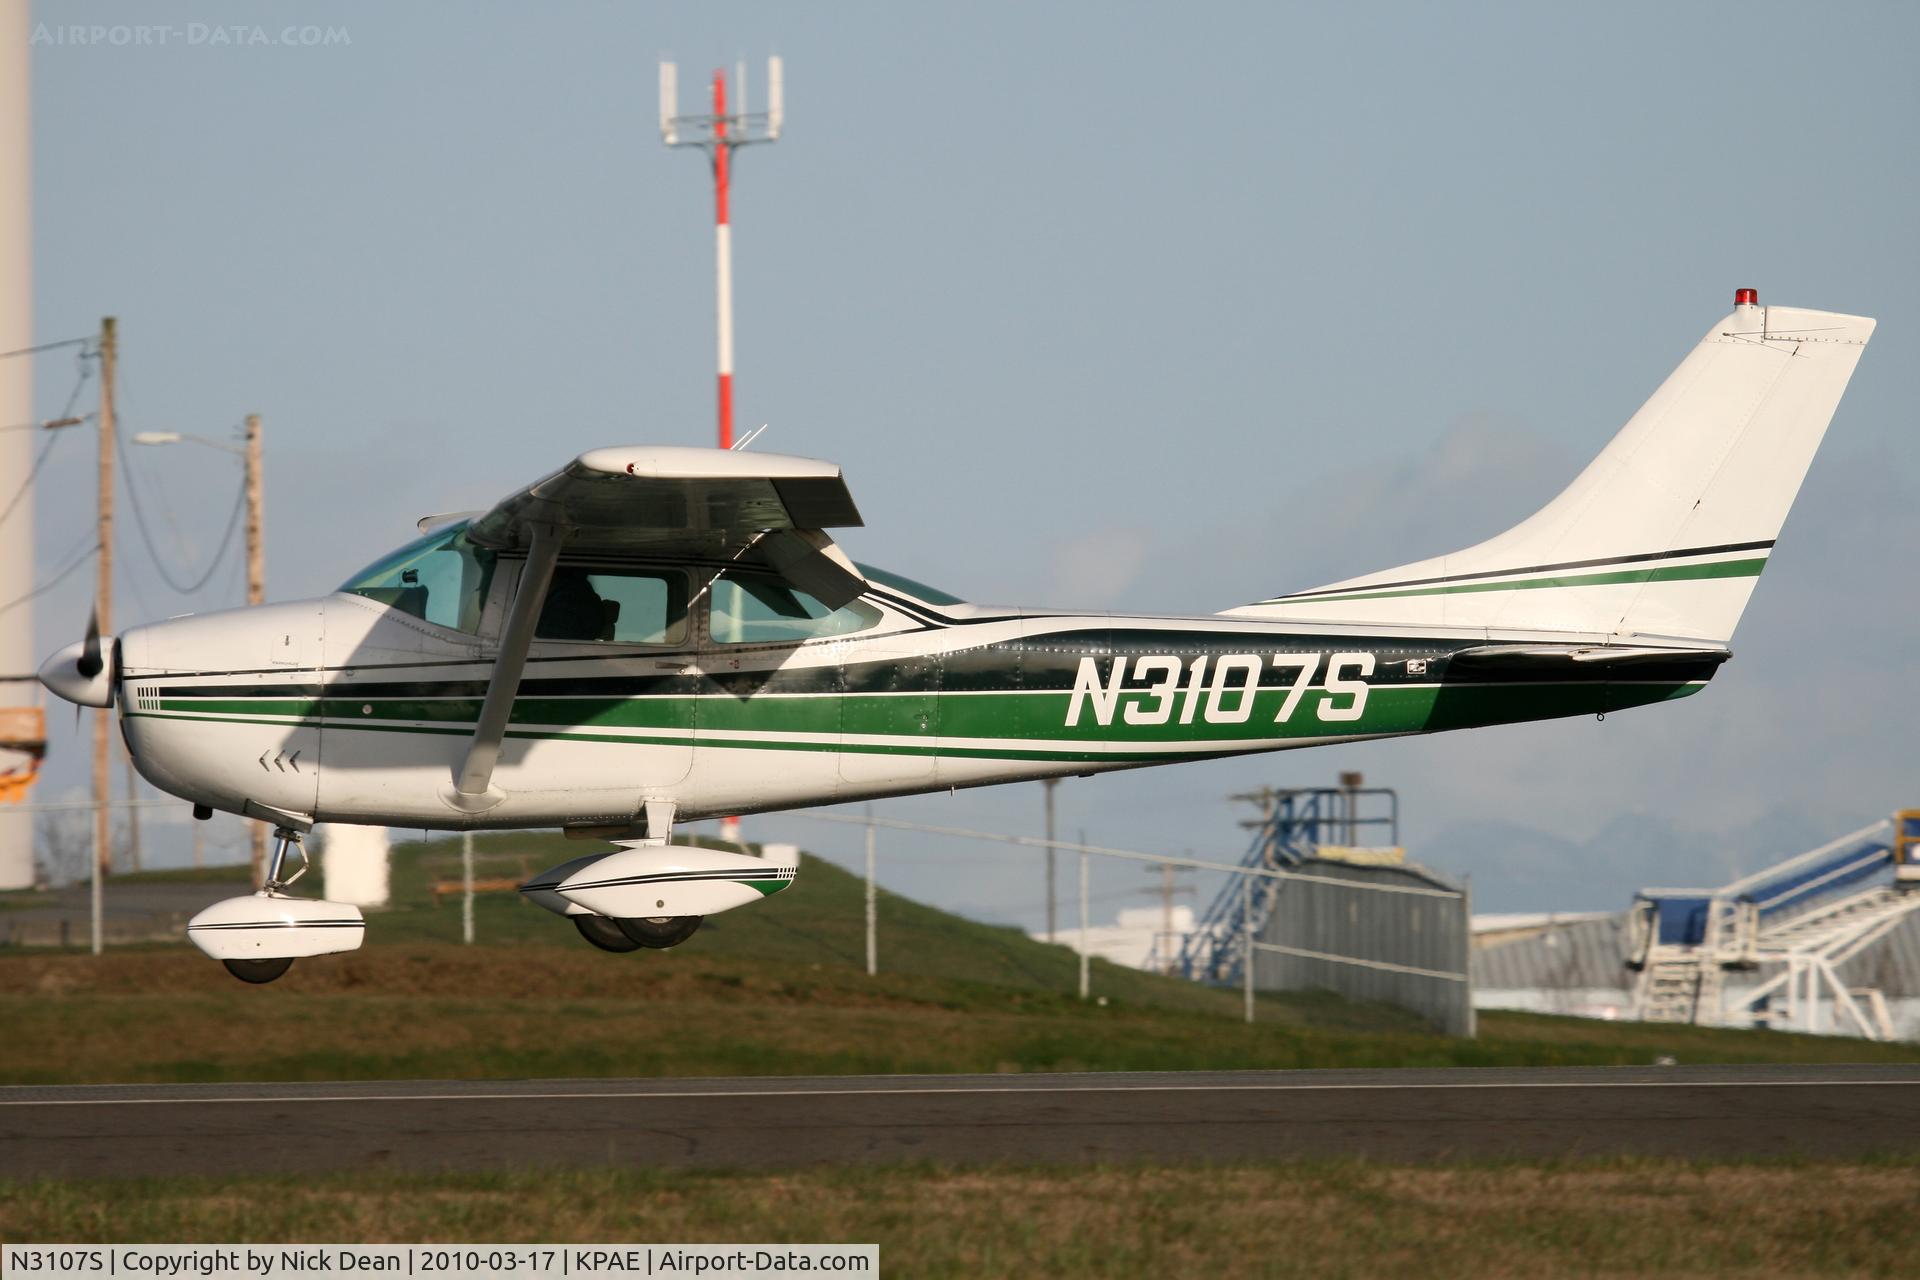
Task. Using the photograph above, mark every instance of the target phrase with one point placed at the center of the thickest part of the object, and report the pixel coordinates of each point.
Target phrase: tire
(258, 971)
(660, 932)
(604, 933)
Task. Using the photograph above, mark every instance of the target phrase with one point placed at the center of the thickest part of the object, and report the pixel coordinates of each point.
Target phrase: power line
(46, 346)
(146, 534)
(52, 582)
(53, 439)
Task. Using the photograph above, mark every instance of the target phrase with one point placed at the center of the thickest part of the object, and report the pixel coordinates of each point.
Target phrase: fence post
(1466, 910)
(94, 898)
(1086, 975)
(873, 940)
(466, 886)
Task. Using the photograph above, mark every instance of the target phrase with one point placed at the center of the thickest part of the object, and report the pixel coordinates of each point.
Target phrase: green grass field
(776, 988)
(1616, 1218)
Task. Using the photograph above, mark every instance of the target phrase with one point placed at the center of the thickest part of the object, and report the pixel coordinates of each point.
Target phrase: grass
(776, 988)
(1617, 1217)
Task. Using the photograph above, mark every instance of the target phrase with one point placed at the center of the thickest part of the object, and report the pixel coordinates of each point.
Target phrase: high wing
(765, 509)
(672, 500)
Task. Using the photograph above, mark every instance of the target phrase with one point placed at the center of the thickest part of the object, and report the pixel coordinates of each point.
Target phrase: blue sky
(1123, 306)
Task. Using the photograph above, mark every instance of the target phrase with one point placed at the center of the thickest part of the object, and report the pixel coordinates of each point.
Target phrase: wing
(758, 508)
(672, 500)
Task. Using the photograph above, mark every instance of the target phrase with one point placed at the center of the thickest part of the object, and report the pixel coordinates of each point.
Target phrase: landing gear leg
(285, 839)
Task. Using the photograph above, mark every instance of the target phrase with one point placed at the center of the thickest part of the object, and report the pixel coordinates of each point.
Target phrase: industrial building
(1324, 911)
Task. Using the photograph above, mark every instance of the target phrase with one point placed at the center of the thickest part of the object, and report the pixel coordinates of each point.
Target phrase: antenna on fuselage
(749, 438)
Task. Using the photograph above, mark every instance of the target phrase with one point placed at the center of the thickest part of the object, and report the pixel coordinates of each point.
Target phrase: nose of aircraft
(84, 671)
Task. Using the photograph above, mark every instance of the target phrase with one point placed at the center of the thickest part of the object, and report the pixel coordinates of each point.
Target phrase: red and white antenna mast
(719, 133)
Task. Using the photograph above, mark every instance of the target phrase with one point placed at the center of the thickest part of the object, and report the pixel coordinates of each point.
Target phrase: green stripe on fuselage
(1621, 577)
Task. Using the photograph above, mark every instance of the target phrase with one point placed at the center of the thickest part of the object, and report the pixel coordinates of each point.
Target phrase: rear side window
(755, 609)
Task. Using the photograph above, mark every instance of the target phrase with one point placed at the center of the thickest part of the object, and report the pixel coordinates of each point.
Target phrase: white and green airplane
(654, 634)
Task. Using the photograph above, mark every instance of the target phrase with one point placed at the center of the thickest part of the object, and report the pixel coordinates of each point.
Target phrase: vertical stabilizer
(1666, 532)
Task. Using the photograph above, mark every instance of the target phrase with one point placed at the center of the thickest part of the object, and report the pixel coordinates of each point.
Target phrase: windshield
(441, 578)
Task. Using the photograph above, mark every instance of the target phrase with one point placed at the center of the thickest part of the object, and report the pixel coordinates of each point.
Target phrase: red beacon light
(1746, 297)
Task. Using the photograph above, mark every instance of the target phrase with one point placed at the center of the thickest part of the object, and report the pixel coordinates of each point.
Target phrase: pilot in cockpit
(574, 610)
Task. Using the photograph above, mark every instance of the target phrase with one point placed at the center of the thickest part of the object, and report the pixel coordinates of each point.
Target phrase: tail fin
(1665, 533)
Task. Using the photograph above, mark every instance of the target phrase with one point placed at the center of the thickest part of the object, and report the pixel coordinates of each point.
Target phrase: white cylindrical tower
(22, 722)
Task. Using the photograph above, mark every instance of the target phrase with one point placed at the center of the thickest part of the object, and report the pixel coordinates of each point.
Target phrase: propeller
(89, 663)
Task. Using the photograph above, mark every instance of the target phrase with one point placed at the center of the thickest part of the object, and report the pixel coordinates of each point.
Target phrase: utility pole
(103, 598)
(1086, 961)
(133, 810)
(1167, 891)
(1050, 784)
(720, 134)
(256, 592)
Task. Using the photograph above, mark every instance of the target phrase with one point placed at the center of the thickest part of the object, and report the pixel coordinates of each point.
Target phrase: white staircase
(1795, 923)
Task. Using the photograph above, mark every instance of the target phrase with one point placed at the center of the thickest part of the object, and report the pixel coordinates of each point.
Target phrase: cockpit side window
(751, 608)
(441, 578)
(616, 606)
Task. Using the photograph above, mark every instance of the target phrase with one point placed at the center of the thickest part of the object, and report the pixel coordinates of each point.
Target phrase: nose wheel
(258, 971)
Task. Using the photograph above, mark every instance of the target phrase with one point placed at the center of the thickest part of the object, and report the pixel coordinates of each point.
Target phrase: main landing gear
(611, 934)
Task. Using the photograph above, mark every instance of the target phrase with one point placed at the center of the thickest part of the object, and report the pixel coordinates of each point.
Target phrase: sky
(1161, 308)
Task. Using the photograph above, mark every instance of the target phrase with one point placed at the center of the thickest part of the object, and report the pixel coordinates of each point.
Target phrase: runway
(1414, 1115)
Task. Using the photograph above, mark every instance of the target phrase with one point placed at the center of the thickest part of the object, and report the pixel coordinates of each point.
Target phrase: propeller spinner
(84, 673)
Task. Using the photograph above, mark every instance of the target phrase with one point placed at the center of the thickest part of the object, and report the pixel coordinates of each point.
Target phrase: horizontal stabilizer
(1537, 657)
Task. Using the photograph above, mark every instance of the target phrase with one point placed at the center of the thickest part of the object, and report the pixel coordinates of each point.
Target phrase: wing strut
(473, 788)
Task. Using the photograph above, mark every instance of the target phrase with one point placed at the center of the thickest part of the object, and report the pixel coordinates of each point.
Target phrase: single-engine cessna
(654, 634)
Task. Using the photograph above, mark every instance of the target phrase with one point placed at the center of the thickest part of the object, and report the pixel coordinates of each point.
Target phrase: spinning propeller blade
(89, 663)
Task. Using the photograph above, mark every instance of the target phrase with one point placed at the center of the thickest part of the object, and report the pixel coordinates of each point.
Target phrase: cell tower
(719, 133)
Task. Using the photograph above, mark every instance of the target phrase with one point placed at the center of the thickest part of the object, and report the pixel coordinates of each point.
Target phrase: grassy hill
(774, 988)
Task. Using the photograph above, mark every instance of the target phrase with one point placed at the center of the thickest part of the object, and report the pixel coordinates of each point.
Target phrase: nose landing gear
(258, 937)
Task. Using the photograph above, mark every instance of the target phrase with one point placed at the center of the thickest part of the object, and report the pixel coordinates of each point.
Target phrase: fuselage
(349, 708)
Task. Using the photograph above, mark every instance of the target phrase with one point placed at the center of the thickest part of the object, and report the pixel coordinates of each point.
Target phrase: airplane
(655, 634)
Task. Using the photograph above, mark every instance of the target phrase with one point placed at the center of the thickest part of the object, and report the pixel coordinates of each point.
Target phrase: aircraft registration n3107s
(656, 634)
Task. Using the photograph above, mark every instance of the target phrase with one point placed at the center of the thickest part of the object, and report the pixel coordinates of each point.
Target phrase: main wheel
(659, 932)
(258, 971)
(603, 933)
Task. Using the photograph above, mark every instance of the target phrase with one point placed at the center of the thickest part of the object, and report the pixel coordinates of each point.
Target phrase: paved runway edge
(1419, 1115)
